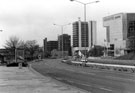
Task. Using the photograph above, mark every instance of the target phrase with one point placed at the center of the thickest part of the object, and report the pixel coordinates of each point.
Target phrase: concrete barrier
(111, 67)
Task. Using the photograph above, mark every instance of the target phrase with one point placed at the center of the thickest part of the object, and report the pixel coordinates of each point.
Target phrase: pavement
(27, 80)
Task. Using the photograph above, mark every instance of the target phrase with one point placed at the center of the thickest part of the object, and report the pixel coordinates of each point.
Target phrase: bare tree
(32, 47)
(13, 42)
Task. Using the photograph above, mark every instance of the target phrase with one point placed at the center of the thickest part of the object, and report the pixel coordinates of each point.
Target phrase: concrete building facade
(49, 46)
(64, 41)
(84, 35)
(119, 29)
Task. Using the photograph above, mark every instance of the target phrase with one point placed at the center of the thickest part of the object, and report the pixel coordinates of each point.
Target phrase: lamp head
(71, 0)
(97, 1)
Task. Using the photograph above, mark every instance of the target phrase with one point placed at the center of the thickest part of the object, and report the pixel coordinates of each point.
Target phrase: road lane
(94, 81)
(87, 70)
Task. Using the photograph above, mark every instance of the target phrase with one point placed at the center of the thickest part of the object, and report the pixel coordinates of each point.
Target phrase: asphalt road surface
(92, 80)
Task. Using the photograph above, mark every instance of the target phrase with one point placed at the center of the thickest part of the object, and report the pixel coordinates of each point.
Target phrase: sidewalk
(15, 80)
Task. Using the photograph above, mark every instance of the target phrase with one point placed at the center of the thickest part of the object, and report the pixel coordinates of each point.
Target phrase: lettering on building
(111, 18)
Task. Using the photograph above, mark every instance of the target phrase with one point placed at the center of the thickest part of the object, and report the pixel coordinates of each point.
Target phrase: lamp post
(85, 4)
(62, 26)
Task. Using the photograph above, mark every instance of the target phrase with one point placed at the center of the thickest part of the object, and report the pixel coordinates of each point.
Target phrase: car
(15, 64)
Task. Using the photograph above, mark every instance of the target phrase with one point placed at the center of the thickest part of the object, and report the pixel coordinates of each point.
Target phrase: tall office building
(84, 35)
(120, 32)
(64, 42)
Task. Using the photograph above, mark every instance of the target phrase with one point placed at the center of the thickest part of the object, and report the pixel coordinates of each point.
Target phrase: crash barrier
(111, 67)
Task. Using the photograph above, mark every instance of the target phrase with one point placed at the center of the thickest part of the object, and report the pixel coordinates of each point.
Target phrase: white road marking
(106, 89)
(59, 78)
(85, 84)
(70, 81)
(87, 73)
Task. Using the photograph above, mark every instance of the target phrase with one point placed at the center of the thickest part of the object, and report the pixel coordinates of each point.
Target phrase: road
(92, 80)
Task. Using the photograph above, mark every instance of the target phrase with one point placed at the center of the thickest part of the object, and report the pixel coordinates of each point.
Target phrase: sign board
(19, 54)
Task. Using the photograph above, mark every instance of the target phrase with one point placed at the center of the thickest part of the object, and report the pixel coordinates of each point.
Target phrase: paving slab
(26, 80)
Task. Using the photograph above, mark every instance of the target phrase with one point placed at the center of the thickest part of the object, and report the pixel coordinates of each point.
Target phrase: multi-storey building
(49, 45)
(84, 35)
(120, 32)
(131, 36)
(52, 45)
(64, 42)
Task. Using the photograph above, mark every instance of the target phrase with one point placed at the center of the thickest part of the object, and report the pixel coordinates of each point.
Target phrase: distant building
(84, 35)
(64, 42)
(49, 46)
(120, 32)
(52, 45)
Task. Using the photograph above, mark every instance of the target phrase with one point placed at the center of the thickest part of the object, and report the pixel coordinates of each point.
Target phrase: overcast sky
(33, 19)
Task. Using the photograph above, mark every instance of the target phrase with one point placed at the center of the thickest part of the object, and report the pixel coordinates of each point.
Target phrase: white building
(84, 35)
(117, 31)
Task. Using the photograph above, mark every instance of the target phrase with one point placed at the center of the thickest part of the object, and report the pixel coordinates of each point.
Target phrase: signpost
(19, 57)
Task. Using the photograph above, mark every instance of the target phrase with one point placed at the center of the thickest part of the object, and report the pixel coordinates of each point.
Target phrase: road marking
(84, 84)
(132, 80)
(59, 78)
(87, 73)
(70, 81)
(106, 89)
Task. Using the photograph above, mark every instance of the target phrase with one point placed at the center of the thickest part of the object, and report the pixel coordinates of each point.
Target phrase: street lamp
(85, 6)
(62, 33)
(85, 17)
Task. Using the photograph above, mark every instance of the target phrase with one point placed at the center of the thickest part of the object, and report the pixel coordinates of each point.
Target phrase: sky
(34, 19)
